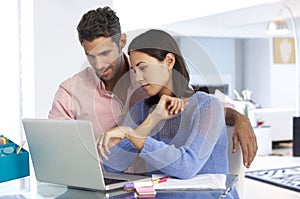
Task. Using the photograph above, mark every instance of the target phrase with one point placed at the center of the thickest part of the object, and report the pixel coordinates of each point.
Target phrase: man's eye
(105, 53)
(91, 56)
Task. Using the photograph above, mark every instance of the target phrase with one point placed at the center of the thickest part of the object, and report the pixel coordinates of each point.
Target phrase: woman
(175, 131)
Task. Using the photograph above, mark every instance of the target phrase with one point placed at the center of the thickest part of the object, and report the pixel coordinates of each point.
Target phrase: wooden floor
(283, 148)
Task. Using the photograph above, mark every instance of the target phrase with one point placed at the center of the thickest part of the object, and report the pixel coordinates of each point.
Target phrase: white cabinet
(264, 140)
(280, 121)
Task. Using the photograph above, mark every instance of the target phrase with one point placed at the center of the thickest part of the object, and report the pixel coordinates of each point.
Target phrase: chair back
(235, 161)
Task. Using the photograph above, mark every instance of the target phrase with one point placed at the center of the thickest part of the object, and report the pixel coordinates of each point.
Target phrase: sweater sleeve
(121, 157)
(200, 130)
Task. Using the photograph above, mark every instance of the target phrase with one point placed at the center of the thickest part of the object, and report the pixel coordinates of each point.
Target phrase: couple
(176, 131)
(104, 93)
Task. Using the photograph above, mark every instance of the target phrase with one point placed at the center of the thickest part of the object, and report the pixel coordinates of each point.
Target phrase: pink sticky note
(145, 191)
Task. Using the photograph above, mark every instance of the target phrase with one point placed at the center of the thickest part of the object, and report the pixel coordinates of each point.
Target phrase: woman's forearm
(138, 136)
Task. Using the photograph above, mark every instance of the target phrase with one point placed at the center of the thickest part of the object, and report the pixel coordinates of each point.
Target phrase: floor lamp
(279, 26)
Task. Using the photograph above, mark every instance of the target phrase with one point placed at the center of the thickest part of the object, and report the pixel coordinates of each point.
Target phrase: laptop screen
(64, 152)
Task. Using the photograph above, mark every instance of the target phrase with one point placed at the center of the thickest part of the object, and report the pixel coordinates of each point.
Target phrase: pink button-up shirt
(84, 97)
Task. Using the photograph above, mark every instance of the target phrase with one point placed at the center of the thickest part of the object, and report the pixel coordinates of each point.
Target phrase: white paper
(202, 181)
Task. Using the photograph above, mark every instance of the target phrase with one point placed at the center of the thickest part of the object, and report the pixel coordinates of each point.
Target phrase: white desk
(256, 189)
(46, 191)
(252, 188)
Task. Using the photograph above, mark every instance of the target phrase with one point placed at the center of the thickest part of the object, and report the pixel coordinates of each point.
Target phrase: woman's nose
(138, 76)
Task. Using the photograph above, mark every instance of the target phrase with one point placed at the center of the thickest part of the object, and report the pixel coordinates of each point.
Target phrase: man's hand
(243, 133)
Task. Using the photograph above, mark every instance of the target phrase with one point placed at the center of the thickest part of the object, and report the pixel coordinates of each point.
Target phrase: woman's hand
(107, 140)
(169, 107)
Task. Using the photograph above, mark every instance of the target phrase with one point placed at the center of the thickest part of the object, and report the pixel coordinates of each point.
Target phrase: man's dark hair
(102, 22)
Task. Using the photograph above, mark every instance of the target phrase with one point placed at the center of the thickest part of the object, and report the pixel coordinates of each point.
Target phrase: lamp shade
(277, 25)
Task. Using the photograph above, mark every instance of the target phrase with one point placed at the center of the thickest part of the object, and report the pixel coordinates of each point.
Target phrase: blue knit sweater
(192, 143)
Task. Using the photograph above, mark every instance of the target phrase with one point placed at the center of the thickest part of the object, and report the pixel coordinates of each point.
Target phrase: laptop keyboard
(108, 181)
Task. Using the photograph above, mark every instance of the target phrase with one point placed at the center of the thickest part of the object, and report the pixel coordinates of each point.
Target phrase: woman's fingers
(103, 145)
(100, 146)
(107, 140)
(176, 105)
(168, 107)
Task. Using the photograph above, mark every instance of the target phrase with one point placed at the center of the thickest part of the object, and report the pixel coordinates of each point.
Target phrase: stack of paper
(202, 181)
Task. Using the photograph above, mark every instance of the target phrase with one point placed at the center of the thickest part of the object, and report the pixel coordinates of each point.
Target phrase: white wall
(283, 83)
(273, 85)
(10, 107)
(256, 73)
(283, 86)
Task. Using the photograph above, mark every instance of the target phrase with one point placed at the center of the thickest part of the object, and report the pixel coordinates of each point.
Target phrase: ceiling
(249, 22)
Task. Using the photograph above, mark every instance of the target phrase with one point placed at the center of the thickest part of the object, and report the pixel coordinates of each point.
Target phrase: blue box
(13, 166)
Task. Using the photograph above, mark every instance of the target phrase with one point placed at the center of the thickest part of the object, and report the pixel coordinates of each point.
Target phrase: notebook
(198, 182)
(64, 152)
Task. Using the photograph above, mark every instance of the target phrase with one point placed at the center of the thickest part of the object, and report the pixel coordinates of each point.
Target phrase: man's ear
(170, 60)
(123, 40)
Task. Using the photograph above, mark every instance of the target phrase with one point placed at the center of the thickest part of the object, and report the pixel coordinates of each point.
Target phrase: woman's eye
(142, 68)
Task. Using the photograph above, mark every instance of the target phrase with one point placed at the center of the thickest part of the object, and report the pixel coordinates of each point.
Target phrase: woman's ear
(123, 40)
(170, 60)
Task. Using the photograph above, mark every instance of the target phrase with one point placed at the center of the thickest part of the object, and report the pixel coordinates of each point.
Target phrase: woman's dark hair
(102, 22)
(157, 44)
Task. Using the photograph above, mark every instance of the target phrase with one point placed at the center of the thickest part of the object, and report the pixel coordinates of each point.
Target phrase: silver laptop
(64, 152)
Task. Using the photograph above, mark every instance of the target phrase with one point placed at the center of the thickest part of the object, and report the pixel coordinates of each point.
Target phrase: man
(104, 92)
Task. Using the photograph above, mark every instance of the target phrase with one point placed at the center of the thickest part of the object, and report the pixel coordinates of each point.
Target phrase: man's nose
(99, 64)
